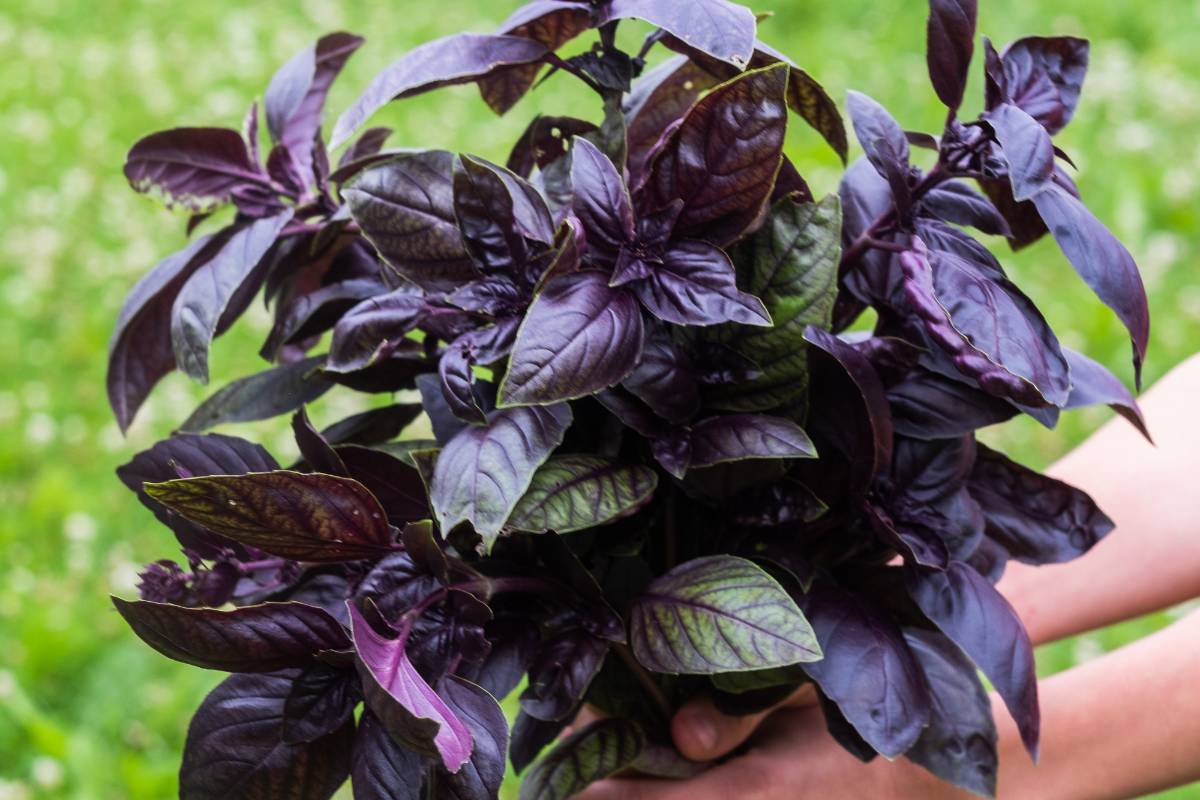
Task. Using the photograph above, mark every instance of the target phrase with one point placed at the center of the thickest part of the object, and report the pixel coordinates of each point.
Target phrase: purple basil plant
(664, 464)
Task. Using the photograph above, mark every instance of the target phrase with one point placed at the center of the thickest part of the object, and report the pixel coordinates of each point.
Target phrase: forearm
(1152, 559)
(1119, 727)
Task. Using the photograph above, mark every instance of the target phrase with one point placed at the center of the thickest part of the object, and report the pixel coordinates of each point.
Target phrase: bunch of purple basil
(663, 464)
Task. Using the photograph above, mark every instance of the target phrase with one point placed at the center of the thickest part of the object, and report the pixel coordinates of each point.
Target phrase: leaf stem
(646, 680)
(871, 236)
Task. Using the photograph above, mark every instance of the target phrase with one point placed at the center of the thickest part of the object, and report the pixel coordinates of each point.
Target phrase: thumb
(702, 733)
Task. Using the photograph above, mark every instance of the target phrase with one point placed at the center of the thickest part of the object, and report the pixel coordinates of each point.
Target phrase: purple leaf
(382, 769)
(603, 748)
(960, 743)
(552, 23)
(315, 451)
(405, 207)
(955, 201)
(1102, 261)
(722, 29)
(601, 202)
(408, 707)
(374, 426)
(322, 700)
(1092, 384)
(665, 380)
(373, 329)
(235, 748)
(884, 142)
(1026, 149)
(395, 484)
(481, 776)
(578, 337)
(1036, 519)
(695, 284)
(734, 437)
(203, 301)
(367, 145)
(574, 493)
(295, 97)
(662, 96)
(460, 58)
(722, 160)
(559, 675)
(950, 42)
(497, 212)
(139, 352)
(197, 169)
(926, 405)
(883, 695)
(303, 517)
(992, 331)
(545, 140)
(262, 638)
(314, 312)
(718, 614)
(263, 395)
(980, 621)
(483, 471)
(1043, 76)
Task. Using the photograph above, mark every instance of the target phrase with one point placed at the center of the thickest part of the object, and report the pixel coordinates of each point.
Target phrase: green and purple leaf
(573, 493)
(601, 749)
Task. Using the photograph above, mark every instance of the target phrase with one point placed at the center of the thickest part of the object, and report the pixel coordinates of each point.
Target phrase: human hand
(789, 756)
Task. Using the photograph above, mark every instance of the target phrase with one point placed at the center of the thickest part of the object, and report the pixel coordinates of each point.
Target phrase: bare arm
(1152, 560)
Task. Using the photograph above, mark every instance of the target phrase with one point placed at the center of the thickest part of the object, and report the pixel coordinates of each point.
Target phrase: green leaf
(306, 517)
(742, 682)
(791, 264)
(718, 614)
(601, 749)
(570, 493)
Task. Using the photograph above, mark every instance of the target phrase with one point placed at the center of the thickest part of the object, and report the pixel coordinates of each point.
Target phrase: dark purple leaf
(601, 202)
(497, 213)
(368, 145)
(579, 336)
(546, 139)
(295, 98)
(1043, 76)
(405, 207)
(1092, 384)
(866, 196)
(950, 42)
(315, 451)
(290, 514)
(560, 674)
(665, 380)
(260, 638)
(202, 301)
(955, 201)
(410, 710)
(926, 405)
(322, 700)
(552, 23)
(979, 620)
(374, 426)
(460, 58)
(139, 352)
(572, 493)
(994, 333)
(481, 776)
(197, 169)
(1026, 149)
(603, 748)
(1102, 261)
(883, 694)
(718, 614)
(1036, 519)
(960, 743)
(734, 437)
(373, 329)
(695, 284)
(530, 736)
(722, 160)
(808, 99)
(662, 96)
(483, 471)
(235, 748)
(382, 769)
(314, 312)
(722, 29)
(261, 396)
(884, 142)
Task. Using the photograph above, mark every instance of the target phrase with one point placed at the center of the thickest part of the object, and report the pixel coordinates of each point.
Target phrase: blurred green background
(87, 711)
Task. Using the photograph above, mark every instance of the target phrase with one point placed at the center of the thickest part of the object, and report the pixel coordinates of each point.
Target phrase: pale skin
(1121, 726)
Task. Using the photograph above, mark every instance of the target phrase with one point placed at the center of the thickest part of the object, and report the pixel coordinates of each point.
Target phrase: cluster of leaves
(661, 467)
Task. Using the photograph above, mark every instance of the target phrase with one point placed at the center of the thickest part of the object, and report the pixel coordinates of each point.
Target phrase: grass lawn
(89, 713)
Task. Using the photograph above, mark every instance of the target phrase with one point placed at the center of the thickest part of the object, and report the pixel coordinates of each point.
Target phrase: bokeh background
(86, 711)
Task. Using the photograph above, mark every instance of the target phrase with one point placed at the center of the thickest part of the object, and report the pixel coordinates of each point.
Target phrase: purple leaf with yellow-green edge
(718, 614)
(407, 706)
(484, 470)
(260, 638)
(306, 517)
(603, 748)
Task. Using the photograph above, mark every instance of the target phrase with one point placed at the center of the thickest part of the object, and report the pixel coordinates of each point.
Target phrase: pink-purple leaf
(407, 706)
(459, 58)
(578, 337)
